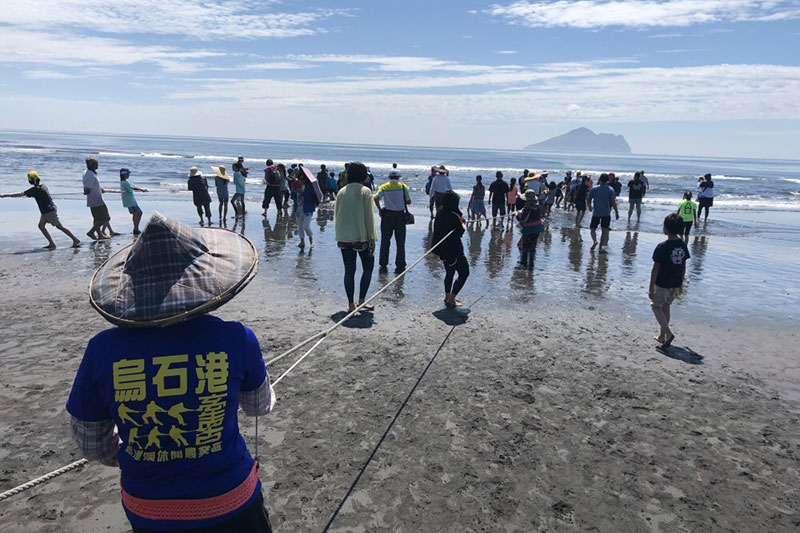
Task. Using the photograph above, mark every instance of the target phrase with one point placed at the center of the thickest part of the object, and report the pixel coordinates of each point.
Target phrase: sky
(680, 77)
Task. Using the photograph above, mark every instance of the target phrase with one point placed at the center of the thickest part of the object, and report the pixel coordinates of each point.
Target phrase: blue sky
(685, 77)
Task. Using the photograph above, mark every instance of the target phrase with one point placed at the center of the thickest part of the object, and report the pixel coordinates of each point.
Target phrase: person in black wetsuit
(451, 251)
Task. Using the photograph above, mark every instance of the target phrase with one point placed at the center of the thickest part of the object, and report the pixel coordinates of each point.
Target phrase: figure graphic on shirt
(177, 435)
(133, 437)
(151, 411)
(176, 412)
(152, 438)
(124, 413)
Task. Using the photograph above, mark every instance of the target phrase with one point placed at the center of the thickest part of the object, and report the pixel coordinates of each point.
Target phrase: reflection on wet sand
(597, 275)
(575, 253)
(100, 251)
(629, 251)
(432, 260)
(494, 254)
(698, 250)
(475, 234)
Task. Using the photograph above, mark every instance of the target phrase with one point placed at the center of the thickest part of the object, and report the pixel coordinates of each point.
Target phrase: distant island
(584, 140)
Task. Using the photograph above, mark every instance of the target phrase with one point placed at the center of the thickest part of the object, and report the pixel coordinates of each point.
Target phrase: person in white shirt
(94, 201)
(440, 185)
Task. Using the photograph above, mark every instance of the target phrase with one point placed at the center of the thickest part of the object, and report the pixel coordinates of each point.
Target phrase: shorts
(664, 296)
(687, 226)
(604, 222)
(501, 207)
(580, 206)
(50, 218)
(635, 201)
(705, 202)
(135, 210)
(478, 207)
(100, 214)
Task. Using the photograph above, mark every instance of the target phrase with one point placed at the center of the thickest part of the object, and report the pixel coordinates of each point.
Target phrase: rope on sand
(389, 427)
(43, 479)
(347, 317)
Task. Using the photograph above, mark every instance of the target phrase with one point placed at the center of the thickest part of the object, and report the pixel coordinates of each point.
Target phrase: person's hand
(145, 190)
(372, 247)
(680, 289)
(651, 293)
(381, 211)
(616, 213)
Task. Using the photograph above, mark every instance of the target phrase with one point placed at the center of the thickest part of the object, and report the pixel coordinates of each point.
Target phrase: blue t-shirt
(601, 196)
(239, 182)
(174, 394)
(128, 199)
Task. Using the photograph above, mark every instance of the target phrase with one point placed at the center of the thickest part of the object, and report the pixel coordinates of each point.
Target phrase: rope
(39, 480)
(350, 314)
(389, 427)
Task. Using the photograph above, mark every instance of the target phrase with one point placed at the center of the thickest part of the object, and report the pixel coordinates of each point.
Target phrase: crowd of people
(229, 351)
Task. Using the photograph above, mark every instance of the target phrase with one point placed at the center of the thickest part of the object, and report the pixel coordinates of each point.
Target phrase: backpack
(272, 176)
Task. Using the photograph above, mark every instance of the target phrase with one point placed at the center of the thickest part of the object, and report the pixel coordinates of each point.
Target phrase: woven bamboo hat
(173, 272)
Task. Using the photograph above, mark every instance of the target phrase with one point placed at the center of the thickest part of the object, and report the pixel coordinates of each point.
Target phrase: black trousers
(393, 222)
(269, 194)
(367, 264)
(462, 267)
(253, 519)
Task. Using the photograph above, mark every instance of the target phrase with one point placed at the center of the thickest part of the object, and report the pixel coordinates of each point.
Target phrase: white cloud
(591, 14)
(195, 19)
(507, 52)
(43, 74)
(400, 63)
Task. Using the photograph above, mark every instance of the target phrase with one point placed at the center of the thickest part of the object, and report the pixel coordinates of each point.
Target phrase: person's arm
(115, 191)
(13, 195)
(589, 200)
(651, 293)
(377, 201)
(97, 441)
(259, 401)
(369, 219)
(407, 195)
(139, 189)
(86, 191)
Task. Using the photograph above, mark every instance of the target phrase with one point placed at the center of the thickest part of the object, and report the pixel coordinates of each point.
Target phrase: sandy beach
(537, 415)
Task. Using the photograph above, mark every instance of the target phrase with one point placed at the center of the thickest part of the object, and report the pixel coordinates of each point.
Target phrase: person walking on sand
(94, 201)
(687, 209)
(199, 186)
(498, 196)
(396, 199)
(221, 181)
(636, 189)
(272, 191)
(579, 198)
(47, 209)
(530, 221)
(448, 227)
(706, 194)
(285, 190)
(667, 275)
(126, 189)
(195, 472)
(476, 206)
(440, 185)
(600, 201)
(239, 190)
(355, 232)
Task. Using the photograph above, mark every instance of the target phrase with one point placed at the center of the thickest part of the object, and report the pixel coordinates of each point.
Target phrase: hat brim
(219, 174)
(112, 292)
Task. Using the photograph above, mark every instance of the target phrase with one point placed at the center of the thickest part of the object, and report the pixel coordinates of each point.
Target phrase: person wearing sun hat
(158, 394)
(202, 200)
(530, 220)
(47, 209)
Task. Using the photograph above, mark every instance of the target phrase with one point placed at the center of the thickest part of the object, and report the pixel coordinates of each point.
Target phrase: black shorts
(705, 202)
(498, 207)
(687, 226)
(604, 222)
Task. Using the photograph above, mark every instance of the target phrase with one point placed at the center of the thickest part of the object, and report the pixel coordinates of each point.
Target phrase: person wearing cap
(355, 232)
(530, 221)
(199, 186)
(243, 169)
(47, 209)
(396, 197)
(126, 189)
(440, 184)
(101, 220)
(705, 195)
(601, 200)
(157, 395)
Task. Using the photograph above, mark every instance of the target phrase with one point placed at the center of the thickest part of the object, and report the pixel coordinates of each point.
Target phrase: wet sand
(543, 412)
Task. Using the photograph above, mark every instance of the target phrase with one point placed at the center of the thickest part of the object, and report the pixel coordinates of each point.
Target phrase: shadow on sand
(363, 320)
(683, 354)
(453, 317)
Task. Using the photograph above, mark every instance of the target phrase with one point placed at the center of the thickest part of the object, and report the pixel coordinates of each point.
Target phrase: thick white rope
(39, 480)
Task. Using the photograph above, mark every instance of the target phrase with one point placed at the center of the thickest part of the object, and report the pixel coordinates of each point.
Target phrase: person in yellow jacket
(687, 209)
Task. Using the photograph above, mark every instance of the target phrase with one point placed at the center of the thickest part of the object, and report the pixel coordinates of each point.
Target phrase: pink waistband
(202, 509)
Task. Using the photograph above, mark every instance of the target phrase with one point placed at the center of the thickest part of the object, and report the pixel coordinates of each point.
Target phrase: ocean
(744, 262)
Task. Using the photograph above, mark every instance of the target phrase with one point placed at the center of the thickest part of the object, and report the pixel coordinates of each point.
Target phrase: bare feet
(301, 244)
(351, 308)
(594, 245)
(91, 235)
(50, 246)
(76, 243)
(668, 340)
(366, 307)
(659, 339)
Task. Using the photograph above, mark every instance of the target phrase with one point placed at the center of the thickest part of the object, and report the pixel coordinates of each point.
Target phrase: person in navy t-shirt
(158, 395)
